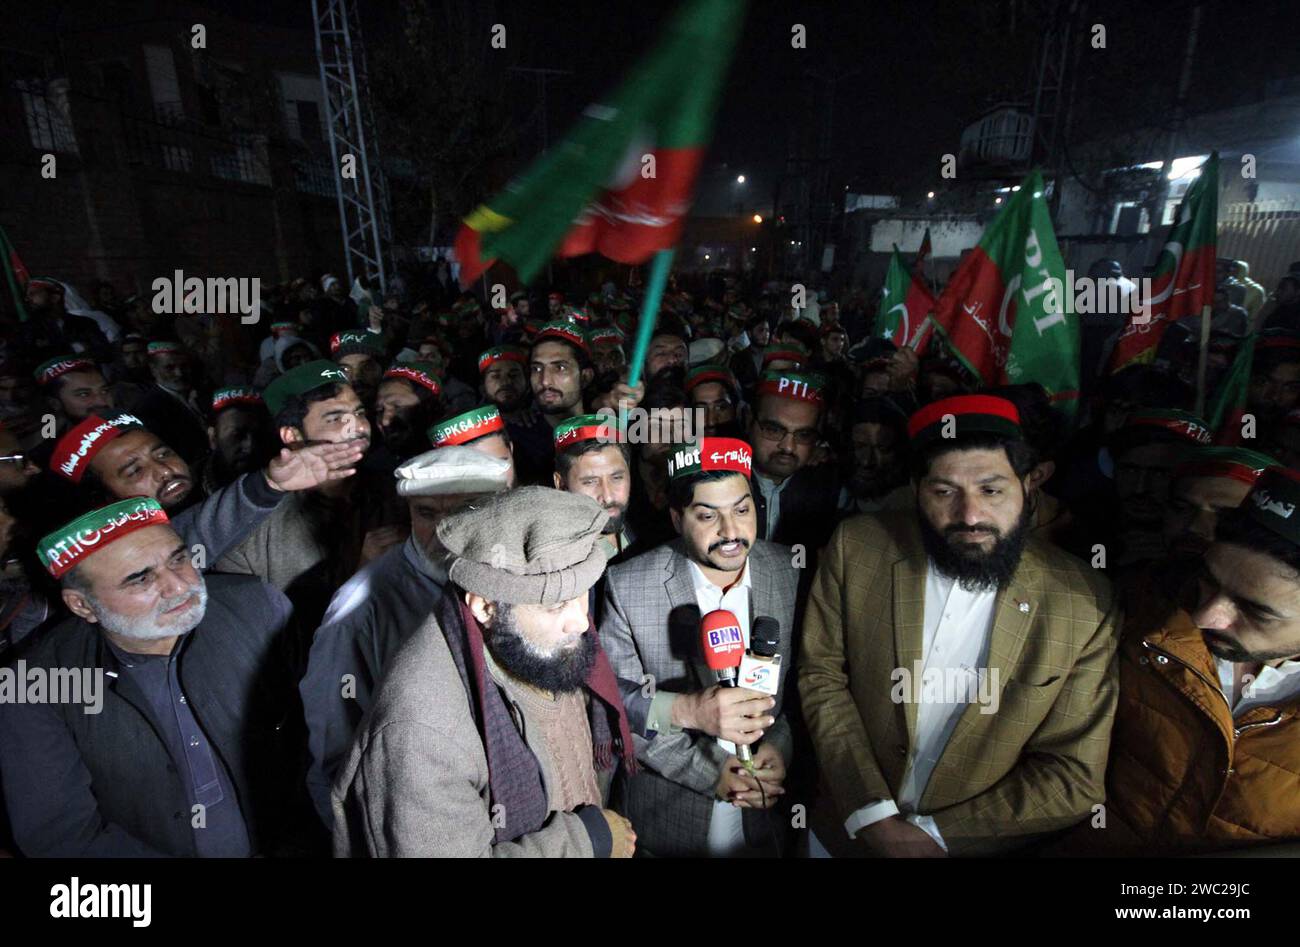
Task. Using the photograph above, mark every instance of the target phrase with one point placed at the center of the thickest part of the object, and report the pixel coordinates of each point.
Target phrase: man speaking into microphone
(692, 795)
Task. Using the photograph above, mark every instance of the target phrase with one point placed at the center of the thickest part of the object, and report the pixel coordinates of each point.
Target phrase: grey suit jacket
(670, 801)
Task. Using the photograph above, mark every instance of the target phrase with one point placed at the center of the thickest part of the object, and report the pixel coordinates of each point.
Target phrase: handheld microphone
(723, 644)
(765, 637)
(760, 668)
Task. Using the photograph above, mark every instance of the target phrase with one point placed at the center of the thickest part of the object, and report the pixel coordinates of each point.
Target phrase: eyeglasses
(771, 431)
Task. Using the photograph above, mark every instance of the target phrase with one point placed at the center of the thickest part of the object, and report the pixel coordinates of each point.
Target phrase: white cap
(451, 471)
(704, 350)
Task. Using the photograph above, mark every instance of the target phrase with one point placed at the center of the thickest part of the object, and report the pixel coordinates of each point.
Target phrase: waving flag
(1184, 279)
(620, 184)
(1006, 313)
(905, 300)
(16, 275)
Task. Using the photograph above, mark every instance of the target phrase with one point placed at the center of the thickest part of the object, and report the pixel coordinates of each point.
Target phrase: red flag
(1184, 280)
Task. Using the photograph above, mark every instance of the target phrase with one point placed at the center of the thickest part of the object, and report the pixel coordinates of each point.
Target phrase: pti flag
(16, 275)
(905, 300)
(620, 184)
(1229, 405)
(1184, 280)
(1005, 312)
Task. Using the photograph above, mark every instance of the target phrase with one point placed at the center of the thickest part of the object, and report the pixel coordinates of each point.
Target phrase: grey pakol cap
(530, 546)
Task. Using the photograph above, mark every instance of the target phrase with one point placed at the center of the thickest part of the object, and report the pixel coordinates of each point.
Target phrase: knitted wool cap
(530, 546)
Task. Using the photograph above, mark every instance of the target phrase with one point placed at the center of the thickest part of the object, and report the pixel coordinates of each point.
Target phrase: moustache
(972, 531)
(168, 604)
(723, 542)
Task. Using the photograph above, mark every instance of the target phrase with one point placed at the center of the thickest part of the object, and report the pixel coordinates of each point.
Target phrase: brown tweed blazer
(1036, 765)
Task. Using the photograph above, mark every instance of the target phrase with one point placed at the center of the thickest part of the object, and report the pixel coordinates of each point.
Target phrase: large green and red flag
(1006, 313)
(16, 275)
(905, 300)
(1184, 280)
(620, 183)
(1229, 404)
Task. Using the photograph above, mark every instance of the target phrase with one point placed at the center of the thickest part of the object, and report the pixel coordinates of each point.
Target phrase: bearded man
(915, 616)
(500, 723)
(153, 757)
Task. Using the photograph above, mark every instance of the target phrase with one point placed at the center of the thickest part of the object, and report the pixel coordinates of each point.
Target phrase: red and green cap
(555, 297)
(793, 385)
(1233, 463)
(424, 374)
(1274, 502)
(1277, 339)
(60, 365)
(49, 281)
(298, 381)
(502, 353)
(579, 315)
(74, 451)
(165, 348)
(711, 453)
(607, 335)
(1181, 424)
(242, 396)
(71, 544)
(969, 414)
(565, 331)
(466, 427)
(703, 374)
(356, 342)
(786, 352)
(283, 328)
(588, 427)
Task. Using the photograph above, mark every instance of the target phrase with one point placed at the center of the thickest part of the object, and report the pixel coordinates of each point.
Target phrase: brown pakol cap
(529, 546)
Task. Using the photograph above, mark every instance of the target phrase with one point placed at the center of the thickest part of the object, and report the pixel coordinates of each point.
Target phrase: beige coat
(1036, 765)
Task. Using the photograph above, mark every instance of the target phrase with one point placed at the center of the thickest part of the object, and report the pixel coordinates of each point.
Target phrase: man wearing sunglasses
(795, 498)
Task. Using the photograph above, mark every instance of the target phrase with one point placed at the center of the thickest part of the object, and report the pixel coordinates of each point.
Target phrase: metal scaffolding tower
(363, 198)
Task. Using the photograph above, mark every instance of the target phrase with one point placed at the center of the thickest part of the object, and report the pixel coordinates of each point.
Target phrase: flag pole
(1203, 362)
(659, 268)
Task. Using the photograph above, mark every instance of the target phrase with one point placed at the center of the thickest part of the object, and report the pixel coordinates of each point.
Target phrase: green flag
(1006, 313)
(620, 184)
(1229, 404)
(904, 302)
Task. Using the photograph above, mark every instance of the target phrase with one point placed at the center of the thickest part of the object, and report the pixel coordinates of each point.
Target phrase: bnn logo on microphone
(726, 639)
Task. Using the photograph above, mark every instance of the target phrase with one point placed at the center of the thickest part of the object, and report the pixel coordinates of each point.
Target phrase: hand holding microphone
(723, 644)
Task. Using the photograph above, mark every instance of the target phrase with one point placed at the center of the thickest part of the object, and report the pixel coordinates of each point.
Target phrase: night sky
(920, 70)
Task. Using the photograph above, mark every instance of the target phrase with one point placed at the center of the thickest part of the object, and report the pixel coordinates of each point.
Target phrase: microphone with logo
(724, 645)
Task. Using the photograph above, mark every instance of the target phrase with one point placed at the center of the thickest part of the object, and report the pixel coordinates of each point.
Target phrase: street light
(758, 218)
(997, 200)
(740, 179)
(930, 195)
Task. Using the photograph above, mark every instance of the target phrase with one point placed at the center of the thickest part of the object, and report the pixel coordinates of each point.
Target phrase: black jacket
(104, 784)
(808, 509)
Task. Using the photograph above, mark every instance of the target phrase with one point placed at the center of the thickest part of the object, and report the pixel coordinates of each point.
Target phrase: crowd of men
(410, 576)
